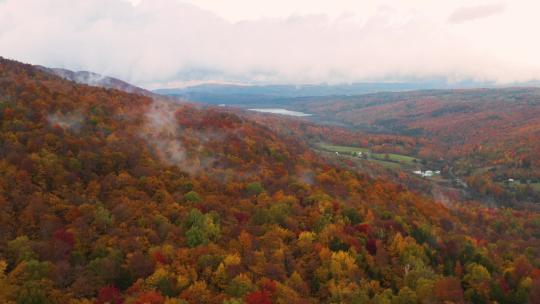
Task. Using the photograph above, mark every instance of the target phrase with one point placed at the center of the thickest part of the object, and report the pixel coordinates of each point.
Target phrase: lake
(281, 112)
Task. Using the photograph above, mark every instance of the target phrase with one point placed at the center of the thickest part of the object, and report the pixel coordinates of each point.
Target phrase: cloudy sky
(168, 43)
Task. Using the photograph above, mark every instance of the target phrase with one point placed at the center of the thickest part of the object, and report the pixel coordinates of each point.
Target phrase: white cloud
(469, 13)
(154, 42)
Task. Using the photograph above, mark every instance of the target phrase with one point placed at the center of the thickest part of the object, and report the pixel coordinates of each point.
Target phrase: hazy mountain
(98, 80)
(288, 95)
(275, 94)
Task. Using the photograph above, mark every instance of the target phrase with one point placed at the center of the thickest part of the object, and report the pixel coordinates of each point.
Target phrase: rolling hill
(488, 135)
(111, 197)
(286, 95)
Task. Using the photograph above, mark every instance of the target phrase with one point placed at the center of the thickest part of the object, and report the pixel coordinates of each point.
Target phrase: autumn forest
(112, 197)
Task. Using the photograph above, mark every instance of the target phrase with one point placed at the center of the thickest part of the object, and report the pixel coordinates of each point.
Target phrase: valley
(427, 174)
(472, 131)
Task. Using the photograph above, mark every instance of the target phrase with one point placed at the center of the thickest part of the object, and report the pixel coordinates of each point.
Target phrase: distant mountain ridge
(289, 90)
(98, 80)
(284, 95)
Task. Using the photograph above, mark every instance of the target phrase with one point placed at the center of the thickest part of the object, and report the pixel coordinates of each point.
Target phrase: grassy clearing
(387, 164)
(383, 158)
(342, 149)
(482, 170)
(534, 186)
(403, 158)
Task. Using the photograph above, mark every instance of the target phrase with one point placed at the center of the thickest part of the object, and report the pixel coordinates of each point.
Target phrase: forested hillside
(488, 136)
(110, 197)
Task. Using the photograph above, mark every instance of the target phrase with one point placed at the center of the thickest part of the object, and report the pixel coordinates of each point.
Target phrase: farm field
(516, 184)
(402, 160)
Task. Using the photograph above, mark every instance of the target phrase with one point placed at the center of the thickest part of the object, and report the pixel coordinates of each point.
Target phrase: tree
(254, 188)
(405, 296)
(33, 292)
(352, 215)
(425, 290)
(139, 265)
(197, 293)
(477, 279)
(7, 289)
(239, 286)
(102, 218)
(109, 295)
(195, 236)
(192, 196)
(342, 265)
(20, 249)
(258, 297)
(150, 297)
(534, 294)
(448, 289)
(202, 228)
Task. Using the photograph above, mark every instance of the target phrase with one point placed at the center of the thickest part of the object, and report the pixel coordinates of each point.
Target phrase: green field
(388, 164)
(390, 159)
(341, 149)
(534, 186)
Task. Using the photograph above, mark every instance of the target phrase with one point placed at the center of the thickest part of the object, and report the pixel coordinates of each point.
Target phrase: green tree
(32, 292)
(201, 228)
(405, 296)
(195, 236)
(192, 196)
(20, 249)
(102, 218)
(254, 188)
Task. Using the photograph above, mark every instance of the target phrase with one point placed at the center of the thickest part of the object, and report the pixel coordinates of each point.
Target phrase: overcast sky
(167, 43)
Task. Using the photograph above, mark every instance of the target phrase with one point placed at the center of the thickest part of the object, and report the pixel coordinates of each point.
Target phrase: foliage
(108, 203)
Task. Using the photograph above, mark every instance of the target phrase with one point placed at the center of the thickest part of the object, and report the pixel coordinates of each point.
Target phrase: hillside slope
(98, 80)
(110, 197)
(458, 116)
(489, 136)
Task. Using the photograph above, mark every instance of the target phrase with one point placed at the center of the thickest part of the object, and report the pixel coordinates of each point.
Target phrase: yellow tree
(6, 288)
